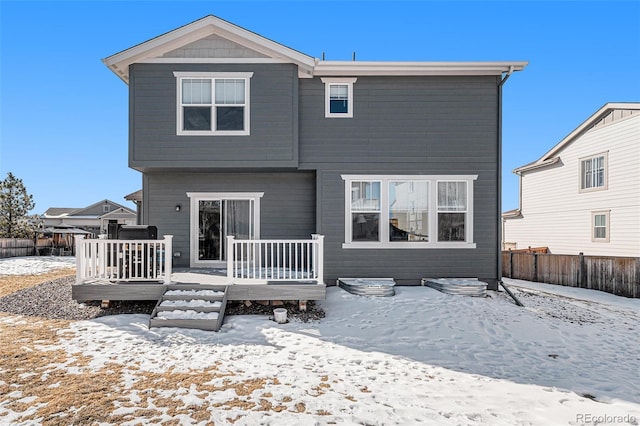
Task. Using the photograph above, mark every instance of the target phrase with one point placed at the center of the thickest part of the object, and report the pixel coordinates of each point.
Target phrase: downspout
(499, 175)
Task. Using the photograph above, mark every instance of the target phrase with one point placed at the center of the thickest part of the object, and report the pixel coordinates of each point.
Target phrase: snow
(191, 303)
(35, 264)
(421, 356)
(194, 293)
(187, 314)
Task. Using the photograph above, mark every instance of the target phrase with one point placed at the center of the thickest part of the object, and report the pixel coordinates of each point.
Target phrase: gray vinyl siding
(412, 126)
(287, 207)
(273, 139)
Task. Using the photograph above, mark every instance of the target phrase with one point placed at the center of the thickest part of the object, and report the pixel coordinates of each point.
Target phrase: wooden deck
(105, 290)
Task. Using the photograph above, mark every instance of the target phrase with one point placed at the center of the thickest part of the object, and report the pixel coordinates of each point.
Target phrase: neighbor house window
(408, 211)
(593, 173)
(338, 97)
(213, 103)
(600, 226)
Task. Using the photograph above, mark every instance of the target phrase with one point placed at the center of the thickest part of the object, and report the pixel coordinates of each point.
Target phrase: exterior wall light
(178, 207)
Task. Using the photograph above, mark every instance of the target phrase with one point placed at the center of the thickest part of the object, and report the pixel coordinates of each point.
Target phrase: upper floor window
(338, 97)
(593, 173)
(416, 211)
(213, 103)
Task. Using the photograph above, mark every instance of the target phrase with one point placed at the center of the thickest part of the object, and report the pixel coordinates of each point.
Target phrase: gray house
(396, 164)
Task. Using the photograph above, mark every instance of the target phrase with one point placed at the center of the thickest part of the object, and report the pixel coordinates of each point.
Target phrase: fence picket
(615, 275)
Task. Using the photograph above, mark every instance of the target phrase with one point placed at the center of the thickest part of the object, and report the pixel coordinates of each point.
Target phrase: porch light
(178, 207)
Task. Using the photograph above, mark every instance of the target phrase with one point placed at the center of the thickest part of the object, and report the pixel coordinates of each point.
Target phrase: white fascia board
(587, 124)
(365, 68)
(209, 25)
(537, 165)
(550, 156)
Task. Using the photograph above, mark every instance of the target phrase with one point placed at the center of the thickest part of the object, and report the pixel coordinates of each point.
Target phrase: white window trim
(384, 242)
(213, 75)
(606, 173)
(328, 82)
(606, 214)
(196, 197)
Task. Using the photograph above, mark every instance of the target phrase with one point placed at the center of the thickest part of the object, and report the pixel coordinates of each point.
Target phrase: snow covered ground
(35, 264)
(569, 357)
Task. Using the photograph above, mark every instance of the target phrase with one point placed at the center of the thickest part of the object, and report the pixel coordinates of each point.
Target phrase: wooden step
(195, 306)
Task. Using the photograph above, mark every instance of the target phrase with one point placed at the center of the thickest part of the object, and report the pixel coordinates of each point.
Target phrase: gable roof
(207, 26)
(59, 211)
(94, 210)
(550, 157)
(162, 49)
(89, 211)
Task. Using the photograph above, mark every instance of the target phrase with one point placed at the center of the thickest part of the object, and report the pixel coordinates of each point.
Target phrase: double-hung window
(338, 97)
(213, 103)
(593, 173)
(412, 211)
(452, 210)
(600, 226)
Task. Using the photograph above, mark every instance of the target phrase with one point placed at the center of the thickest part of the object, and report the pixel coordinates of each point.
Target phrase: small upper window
(339, 97)
(593, 173)
(213, 103)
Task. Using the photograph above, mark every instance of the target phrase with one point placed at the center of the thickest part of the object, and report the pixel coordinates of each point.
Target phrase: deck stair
(198, 306)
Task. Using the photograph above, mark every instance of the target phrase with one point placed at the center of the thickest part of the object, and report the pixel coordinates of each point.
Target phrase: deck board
(153, 291)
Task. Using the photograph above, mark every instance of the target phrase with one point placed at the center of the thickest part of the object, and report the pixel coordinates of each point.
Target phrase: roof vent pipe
(353, 56)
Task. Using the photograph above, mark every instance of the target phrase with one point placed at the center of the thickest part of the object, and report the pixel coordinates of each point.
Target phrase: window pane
(365, 196)
(338, 106)
(196, 91)
(365, 227)
(451, 226)
(601, 220)
(452, 196)
(338, 91)
(230, 118)
(229, 91)
(196, 118)
(408, 215)
(338, 98)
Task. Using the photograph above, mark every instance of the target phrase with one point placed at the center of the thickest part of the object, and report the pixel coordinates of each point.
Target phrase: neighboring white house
(94, 218)
(584, 194)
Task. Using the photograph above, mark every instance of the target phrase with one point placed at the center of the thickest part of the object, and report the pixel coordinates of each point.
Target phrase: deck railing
(275, 260)
(123, 260)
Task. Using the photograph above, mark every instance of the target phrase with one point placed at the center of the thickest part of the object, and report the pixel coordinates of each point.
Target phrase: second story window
(593, 173)
(338, 97)
(213, 103)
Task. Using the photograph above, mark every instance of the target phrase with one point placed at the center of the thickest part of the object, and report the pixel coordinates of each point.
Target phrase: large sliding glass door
(214, 216)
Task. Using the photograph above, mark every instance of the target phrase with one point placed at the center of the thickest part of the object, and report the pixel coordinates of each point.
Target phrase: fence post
(581, 271)
(510, 264)
(535, 267)
(168, 258)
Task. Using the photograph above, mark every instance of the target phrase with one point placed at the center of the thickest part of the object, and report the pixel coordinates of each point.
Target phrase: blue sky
(63, 114)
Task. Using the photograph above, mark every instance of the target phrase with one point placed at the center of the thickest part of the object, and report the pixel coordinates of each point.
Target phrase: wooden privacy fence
(15, 247)
(615, 275)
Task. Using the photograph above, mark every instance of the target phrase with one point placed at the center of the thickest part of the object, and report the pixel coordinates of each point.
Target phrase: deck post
(168, 258)
(80, 258)
(319, 257)
(231, 253)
